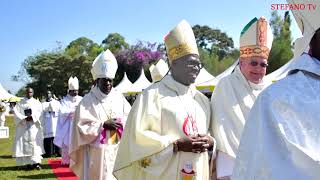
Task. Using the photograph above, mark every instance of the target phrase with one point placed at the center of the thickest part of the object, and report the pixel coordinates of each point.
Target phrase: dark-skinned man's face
(73, 93)
(315, 45)
(29, 93)
(186, 69)
(49, 95)
(105, 85)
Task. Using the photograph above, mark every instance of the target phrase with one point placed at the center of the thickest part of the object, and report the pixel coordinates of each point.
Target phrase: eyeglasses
(262, 64)
(195, 64)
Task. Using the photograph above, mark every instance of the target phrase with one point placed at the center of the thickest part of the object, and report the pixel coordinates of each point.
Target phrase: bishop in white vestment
(98, 124)
(166, 135)
(235, 94)
(281, 139)
(66, 115)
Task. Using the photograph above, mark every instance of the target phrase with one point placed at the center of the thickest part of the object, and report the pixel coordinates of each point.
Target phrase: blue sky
(33, 25)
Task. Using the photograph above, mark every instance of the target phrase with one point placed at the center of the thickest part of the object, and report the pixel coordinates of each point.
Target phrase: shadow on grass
(38, 176)
(20, 168)
(12, 168)
(6, 157)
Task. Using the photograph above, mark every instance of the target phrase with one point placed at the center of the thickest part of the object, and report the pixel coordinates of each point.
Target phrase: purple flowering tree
(138, 56)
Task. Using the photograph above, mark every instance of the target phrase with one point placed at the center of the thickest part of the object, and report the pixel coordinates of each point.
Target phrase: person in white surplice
(49, 122)
(98, 123)
(166, 135)
(66, 115)
(281, 139)
(235, 94)
(28, 138)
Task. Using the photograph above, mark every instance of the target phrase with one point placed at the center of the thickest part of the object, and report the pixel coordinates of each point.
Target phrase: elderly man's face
(105, 85)
(186, 69)
(254, 69)
(29, 93)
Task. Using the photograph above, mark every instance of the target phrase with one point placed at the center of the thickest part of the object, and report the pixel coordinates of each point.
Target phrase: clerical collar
(178, 87)
(72, 98)
(99, 94)
(28, 99)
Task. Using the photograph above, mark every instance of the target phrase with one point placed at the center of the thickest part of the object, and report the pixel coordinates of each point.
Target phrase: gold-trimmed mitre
(180, 41)
(256, 39)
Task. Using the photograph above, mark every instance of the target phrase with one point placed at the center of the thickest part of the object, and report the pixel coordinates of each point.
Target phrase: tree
(52, 69)
(213, 64)
(281, 51)
(213, 40)
(136, 57)
(276, 23)
(115, 42)
(83, 47)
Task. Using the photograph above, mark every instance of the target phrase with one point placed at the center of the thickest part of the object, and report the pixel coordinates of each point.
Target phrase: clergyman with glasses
(235, 94)
(166, 135)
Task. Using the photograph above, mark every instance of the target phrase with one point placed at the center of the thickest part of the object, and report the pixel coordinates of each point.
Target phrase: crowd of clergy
(250, 129)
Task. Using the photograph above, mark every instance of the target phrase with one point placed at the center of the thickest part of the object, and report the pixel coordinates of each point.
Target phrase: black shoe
(37, 166)
(29, 167)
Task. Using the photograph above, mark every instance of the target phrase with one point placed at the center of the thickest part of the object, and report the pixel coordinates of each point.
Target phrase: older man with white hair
(236, 93)
(281, 139)
(98, 124)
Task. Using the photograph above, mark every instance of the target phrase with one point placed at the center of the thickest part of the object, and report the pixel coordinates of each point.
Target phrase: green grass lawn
(8, 168)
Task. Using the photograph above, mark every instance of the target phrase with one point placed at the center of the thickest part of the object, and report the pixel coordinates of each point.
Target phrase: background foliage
(51, 69)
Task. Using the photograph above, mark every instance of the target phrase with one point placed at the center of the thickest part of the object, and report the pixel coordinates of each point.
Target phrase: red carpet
(62, 172)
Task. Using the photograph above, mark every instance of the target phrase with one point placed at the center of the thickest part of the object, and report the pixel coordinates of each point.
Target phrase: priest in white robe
(166, 135)
(28, 139)
(66, 115)
(281, 138)
(49, 122)
(99, 122)
(235, 94)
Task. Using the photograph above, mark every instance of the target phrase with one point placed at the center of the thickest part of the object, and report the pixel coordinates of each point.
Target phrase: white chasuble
(231, 102)
(93, 150)
(163, 113)
(281, 139)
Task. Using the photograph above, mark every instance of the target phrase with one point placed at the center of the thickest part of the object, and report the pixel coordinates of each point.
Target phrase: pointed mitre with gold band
(256, 39)
(159, 70)
(308, 22)
(180, 41)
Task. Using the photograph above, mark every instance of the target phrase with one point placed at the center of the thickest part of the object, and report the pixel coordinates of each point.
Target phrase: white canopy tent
(203, 76)
(141, 83)
(281, 72)
(209, 85)
(125, 84)
(4, 94)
